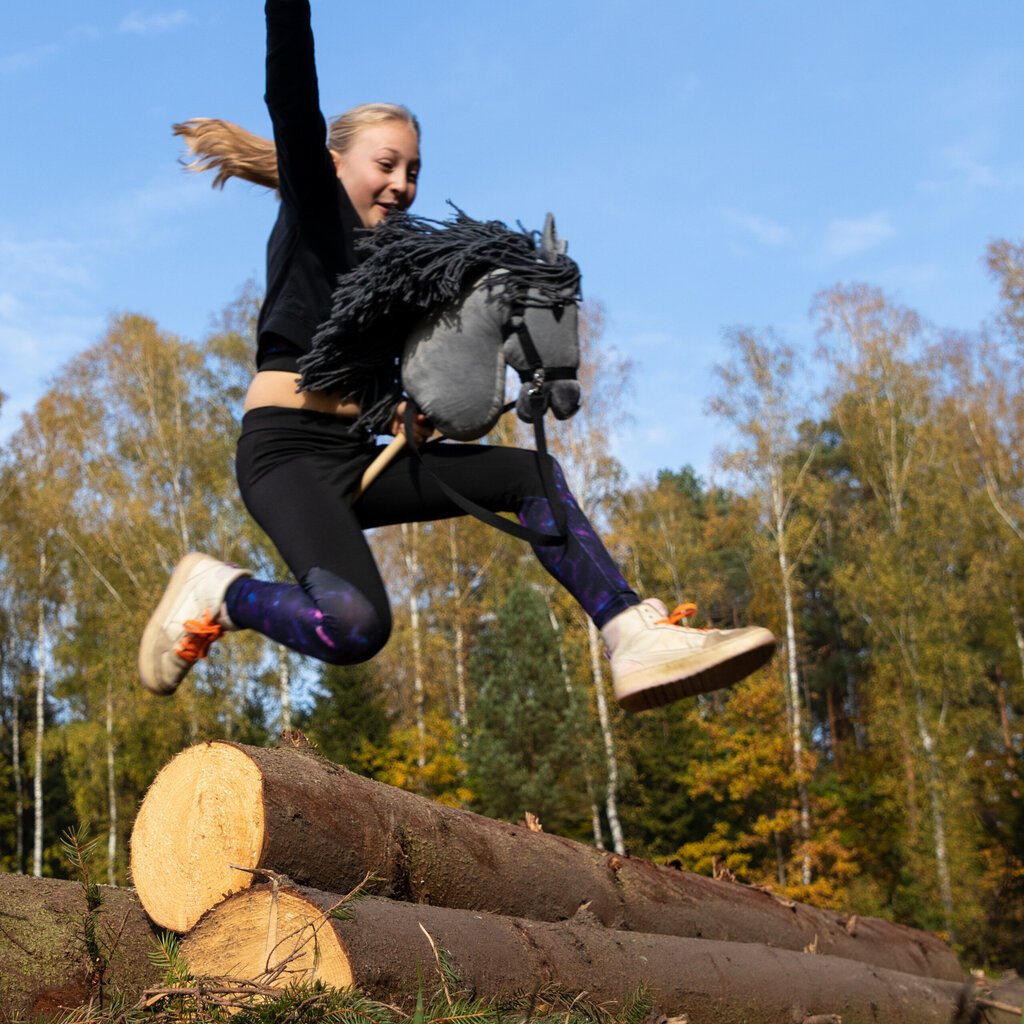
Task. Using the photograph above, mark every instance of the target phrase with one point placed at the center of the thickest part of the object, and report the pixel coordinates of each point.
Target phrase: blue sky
(711, 164)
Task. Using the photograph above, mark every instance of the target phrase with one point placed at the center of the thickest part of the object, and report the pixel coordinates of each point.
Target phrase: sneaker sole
(154, 644)
(723, 665)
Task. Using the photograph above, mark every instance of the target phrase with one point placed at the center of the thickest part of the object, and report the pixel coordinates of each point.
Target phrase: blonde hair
(233, 152)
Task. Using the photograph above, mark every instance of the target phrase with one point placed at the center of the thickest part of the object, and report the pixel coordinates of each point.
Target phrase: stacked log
(386, 948)
(512, 908)
(45, 966)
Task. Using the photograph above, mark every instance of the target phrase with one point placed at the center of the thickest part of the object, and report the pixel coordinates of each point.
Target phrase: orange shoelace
(199, 634)
(680, 612)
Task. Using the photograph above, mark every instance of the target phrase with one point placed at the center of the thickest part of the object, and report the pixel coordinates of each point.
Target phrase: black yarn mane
(410, 267)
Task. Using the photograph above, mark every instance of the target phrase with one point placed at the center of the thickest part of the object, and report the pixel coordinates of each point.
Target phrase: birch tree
(582, 446)
(905, 584)
(758, 397)
(41, 475)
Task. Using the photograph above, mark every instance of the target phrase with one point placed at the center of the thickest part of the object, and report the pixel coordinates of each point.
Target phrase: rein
(535, 375)
(458, 302)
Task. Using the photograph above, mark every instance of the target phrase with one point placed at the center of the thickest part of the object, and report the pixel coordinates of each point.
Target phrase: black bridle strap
(485, 515)
(544, 464)
(537, 404)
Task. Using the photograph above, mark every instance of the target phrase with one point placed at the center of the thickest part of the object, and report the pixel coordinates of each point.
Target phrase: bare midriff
(278, 388)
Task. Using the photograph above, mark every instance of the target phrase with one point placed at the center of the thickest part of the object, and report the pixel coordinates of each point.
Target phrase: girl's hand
(422, 428)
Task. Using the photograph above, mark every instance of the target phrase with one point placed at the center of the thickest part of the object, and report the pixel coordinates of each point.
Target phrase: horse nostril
(564, 398)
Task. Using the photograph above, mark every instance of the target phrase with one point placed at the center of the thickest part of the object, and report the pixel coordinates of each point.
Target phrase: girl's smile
(379, 170)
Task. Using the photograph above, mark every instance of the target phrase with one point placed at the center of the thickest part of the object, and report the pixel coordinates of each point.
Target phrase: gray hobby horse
(456, 302)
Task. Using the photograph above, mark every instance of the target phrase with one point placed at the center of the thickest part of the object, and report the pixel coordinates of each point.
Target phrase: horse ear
(550, 244)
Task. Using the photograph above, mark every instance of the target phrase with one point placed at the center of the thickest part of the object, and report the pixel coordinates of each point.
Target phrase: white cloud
(40, 326)
(25, 60)
(149, 24)
(88, 33)
(762, 230)
(851, 237)
(972, 170)
(40, 266)
(34, 348)
(145, 215)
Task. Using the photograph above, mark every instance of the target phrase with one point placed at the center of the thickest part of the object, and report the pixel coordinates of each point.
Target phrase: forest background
(710, 165)
(877, 526)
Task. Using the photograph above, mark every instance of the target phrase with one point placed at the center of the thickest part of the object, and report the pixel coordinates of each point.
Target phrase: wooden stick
(379, 464)
(995, 1004)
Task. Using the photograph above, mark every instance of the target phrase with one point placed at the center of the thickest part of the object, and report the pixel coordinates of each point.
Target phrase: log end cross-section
(201, 820)
(278, 937)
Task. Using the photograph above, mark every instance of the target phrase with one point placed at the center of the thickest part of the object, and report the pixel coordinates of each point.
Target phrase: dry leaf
(659, 1018)
(295, 738)
(719, 870)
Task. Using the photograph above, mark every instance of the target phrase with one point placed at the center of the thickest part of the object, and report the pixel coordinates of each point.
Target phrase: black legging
(297, 472)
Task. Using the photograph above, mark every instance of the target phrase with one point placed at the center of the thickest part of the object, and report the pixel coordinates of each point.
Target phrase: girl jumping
(301, 455)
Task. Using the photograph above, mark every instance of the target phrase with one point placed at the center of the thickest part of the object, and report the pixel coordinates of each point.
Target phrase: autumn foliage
(870, 510)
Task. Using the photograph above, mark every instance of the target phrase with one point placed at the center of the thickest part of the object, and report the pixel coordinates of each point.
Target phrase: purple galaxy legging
(297, 471)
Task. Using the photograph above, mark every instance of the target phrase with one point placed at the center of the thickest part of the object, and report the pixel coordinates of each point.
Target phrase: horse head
(453, 364)
(457, 301)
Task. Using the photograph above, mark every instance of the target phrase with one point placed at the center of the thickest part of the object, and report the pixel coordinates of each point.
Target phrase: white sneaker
(655, 660)
(189, 617)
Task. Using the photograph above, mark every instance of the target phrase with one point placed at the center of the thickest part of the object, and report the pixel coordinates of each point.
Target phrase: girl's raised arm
(308, 181)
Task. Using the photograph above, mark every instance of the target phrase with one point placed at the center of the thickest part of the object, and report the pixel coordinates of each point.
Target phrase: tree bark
(392, 951)
(796, 726)
(938, 813)
(44, 967)
(219, 805)
(19, 785)
(611, 799)
(411, 539)
(284, 685)
(563, 664)
(37, 782)
(111, 788)
(458, 640)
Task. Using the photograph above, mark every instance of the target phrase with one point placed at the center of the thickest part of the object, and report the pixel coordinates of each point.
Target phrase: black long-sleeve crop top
(312, 240)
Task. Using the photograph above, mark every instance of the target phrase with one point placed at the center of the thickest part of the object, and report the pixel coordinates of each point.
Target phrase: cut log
(391, 951)
(220, 806)
(45, 969)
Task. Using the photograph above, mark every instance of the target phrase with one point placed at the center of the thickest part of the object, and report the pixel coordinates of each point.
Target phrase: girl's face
(379, 169)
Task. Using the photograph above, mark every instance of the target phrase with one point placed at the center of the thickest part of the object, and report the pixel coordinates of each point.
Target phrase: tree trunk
(392, 952)
(37, 785)
(221, 806)
(111, 790)
(284, 685)
(45, 969)
(1004, 724)
(938, 814)
(611, 799)
(459, 640)
(411, 536)
(1018, 635)
(796, 726)
(19, 782)
(563, 663)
